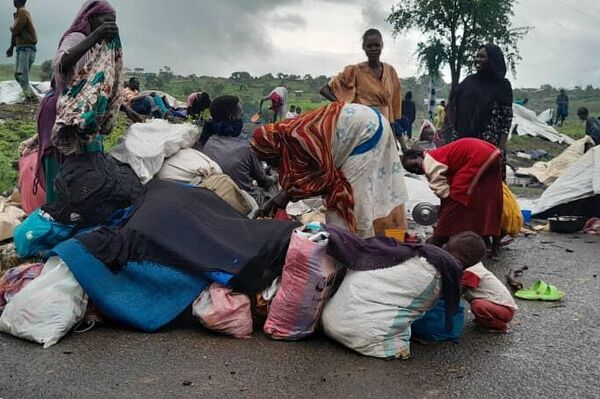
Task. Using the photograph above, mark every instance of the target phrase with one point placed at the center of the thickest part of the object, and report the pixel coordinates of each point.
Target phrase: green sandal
(540, 291)
(552, 294)
(534, 293)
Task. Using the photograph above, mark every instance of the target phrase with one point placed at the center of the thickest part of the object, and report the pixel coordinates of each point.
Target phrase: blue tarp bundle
(143, 295)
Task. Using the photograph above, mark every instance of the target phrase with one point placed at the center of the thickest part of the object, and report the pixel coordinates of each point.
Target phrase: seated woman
(343, 152)
(220, 141)
(466, 175)
(143, 104)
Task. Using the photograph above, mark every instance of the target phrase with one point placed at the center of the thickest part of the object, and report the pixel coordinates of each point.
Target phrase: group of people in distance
(345, 152)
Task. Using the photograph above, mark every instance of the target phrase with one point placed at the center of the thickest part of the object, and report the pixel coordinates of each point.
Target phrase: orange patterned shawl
(304, 147)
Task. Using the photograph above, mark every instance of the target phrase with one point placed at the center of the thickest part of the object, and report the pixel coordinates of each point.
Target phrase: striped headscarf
(304, 147)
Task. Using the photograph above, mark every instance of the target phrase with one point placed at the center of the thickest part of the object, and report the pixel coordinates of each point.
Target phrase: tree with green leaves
(454, 29)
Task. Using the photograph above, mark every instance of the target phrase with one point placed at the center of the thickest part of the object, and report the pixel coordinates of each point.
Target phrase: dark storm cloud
(183, 34)
(217, 37)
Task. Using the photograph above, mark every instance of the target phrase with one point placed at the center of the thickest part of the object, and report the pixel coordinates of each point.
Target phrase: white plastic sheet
(526, 123)
(11, 92)
(145, 146)
(581, 180)
(546, 116)
(48, 307)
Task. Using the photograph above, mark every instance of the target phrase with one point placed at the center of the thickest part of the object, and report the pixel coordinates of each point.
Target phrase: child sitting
(491, 303)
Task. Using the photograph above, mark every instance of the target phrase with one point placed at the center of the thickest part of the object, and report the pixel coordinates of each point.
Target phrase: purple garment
(82, 23)
(384, 252)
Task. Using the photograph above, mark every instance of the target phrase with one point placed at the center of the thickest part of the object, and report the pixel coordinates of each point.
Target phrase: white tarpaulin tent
(548, 172)
(11, 92)
(546, 116)
(526, 123)
(581, 180)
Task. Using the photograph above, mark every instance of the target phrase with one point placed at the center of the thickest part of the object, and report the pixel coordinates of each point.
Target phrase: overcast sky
(217, 37)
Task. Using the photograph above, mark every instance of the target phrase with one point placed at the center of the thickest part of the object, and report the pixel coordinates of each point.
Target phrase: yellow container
(398, 234)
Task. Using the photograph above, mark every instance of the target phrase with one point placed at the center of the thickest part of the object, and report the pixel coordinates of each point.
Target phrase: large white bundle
(372, 310)
(48, 307)
(187, 165)
(145, 146)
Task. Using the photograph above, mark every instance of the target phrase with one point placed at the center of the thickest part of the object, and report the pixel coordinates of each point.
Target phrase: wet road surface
(552, 351)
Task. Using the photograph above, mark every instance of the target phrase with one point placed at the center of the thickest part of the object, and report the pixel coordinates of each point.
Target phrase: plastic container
(567, 224)
(526, 215)
(398, 234)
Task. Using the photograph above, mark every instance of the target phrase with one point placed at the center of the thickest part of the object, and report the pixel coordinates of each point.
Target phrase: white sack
(145, 146)
(187, 165)
(48, 307)
(418, 191)
(372, 311)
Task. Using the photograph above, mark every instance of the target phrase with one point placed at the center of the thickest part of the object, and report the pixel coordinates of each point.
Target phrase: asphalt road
(551, 352)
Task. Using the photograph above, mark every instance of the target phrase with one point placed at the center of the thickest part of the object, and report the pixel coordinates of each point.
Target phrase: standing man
(592, 125)
(562, 107)
(279, 101)
(24, 41)
(409, 111)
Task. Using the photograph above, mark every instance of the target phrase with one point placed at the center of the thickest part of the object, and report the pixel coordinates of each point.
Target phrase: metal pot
(425, 213)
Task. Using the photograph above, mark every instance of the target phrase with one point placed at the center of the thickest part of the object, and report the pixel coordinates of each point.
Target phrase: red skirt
(483, 215)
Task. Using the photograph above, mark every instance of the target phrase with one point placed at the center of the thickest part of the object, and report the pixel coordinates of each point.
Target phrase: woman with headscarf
(481, 105)
(221, 142)
(343, 152)
(86, 91)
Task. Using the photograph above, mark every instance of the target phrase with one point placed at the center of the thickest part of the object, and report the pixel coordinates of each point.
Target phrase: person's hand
(28, 146)
(279, 201)
(10, 52)
(107, 31)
